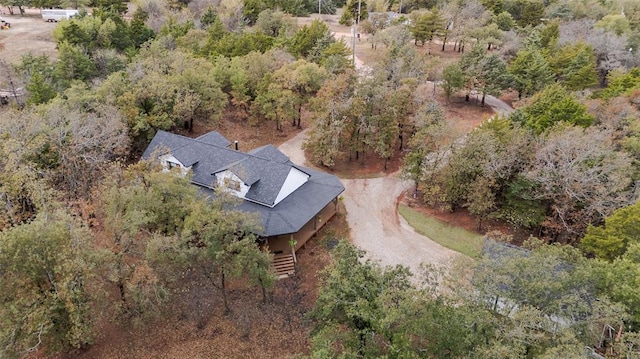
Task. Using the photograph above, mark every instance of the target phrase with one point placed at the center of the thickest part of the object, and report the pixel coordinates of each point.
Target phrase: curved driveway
(372, 211)
(372, 215)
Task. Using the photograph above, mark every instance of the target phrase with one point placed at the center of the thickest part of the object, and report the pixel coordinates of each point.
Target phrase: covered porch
(284, 246)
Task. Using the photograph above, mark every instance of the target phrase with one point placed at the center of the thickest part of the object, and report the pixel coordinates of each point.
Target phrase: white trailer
(55, 15)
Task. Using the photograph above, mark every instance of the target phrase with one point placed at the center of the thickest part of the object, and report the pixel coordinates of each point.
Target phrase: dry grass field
(28, 34)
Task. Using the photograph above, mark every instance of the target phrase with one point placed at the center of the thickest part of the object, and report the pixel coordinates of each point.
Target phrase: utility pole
(319, 10)
(355, 33)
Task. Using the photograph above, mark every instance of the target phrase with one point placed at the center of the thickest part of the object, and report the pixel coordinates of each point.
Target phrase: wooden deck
(284, 265)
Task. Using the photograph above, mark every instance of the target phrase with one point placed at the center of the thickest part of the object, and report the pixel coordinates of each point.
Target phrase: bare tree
(611, 50)
(581, 177)
(15, 90)
(84, 142)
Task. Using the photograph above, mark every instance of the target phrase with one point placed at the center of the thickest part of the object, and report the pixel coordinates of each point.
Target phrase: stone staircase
(284, 265)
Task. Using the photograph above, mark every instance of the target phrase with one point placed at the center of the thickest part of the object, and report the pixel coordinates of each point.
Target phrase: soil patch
(194, 325)
(28, 34)
(236, 127)
(368, 165)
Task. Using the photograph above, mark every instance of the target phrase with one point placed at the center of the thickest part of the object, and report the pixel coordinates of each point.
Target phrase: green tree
(224, 246)
(495, 6)
(554, 105)
(39, 90)
(231, 45)
(133, 202)
(308, 37)
(168, 88)
(526, 12)
(252, 9)
(470, 64)
(427, 140)
(550, 34)
(531, 72)
(140, 32)
(619, 231)
(519, 207)
(336, 58)
(276, 102)
(356, 10)
(492, 76)
(73, 64)
(47, 268)
(427, 26)
(364, 310)
(485, 73)
(303, 79)
(619, 280)
(543, 284)
(208, 18)
(620, 82)
(330, 115)
(616, 23)
(275, 23)
(453, 79)
(116, 6)
(505, 21)
(575, 66)
(490, 34)
(351, 304)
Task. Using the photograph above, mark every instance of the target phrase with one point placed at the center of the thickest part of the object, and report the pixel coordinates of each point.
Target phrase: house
(294, 202)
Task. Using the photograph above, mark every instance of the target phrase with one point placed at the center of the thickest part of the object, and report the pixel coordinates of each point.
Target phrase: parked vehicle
(55, 15)
(4, 24)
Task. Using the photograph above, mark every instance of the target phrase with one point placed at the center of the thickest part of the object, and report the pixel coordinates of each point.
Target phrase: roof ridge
(285, 220)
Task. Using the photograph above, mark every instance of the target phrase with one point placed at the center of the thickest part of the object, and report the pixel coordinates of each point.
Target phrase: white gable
(295, 179)
(232, 183)
(168, 162)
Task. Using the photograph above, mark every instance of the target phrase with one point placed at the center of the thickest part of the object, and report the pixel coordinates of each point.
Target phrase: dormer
(169, 162)
(231, 183)
(268, 187)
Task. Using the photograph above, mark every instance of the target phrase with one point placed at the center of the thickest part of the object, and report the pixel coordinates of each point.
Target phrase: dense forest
(89, 235)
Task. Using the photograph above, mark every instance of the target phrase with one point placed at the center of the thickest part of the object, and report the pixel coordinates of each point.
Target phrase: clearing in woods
(28, 34)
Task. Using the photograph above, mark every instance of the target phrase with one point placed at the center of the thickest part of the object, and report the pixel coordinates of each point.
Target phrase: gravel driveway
(372, 215)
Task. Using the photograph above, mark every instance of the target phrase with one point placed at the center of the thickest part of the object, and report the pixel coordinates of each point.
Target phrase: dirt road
(376, 227)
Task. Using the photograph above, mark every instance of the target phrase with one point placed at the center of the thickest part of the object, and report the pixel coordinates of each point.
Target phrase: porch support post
(292, 243)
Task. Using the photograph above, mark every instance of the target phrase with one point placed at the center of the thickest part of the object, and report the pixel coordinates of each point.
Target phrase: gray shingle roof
(271, 153)
(164, 142)
(264, 176)
(301, 206)
(264, 169)
(214, 138)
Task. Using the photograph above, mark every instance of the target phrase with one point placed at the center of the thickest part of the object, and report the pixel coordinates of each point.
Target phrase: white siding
(295, 179)
(222, 179)
(168, 162)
